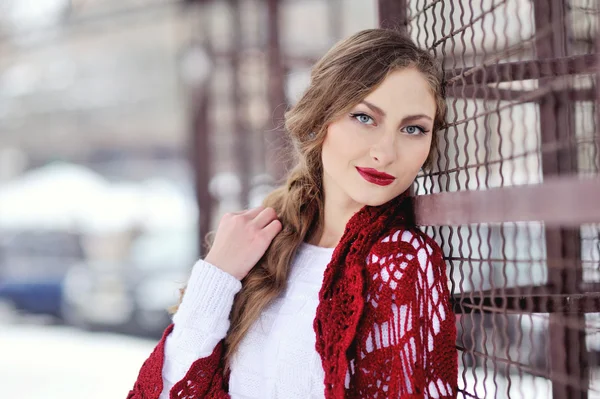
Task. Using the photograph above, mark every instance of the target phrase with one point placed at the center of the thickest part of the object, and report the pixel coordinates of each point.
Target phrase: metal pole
(597, 102)
(278, 159)
(393, 14)
(201, 160)
(243, 149)
(568, 354)
(200, 147)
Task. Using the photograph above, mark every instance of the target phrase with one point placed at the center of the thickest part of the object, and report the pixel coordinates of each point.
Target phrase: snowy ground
(54, 362)
(51, 362)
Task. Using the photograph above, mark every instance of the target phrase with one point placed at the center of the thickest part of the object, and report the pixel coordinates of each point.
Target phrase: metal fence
(515, 195)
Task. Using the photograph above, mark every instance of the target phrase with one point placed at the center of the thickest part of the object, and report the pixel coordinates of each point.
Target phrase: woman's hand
(241, 240)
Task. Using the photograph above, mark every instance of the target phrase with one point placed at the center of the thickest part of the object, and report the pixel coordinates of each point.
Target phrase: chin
(373, 200)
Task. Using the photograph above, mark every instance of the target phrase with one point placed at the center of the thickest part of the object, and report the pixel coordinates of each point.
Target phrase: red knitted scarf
(421, 361)
(343, 293)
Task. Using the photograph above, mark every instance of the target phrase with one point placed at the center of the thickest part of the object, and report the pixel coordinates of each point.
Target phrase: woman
(329, 290)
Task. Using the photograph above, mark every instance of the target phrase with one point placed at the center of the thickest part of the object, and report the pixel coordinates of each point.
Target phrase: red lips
(376, 177)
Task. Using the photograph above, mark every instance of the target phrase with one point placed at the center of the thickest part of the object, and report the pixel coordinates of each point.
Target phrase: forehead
(404, 92)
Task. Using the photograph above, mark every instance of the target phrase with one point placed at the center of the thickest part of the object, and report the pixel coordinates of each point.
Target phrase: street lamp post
(195, 72)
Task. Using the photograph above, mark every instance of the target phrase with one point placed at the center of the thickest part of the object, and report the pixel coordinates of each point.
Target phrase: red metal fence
(515, 195)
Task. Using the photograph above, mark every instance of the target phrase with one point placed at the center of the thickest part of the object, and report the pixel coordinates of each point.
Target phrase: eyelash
(358, 114)
(421, 129)
(355, 116)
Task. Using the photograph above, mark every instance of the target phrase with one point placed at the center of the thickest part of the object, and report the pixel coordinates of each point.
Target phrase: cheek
(329, 155)
(335, 147)
(416, 155)
(423, 154)
(346, 140)
(422, 151)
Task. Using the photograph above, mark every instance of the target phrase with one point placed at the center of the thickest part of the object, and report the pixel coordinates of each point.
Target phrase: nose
(383, 151)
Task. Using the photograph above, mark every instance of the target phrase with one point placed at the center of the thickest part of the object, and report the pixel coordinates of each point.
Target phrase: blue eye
(363, 118)
(414, 129)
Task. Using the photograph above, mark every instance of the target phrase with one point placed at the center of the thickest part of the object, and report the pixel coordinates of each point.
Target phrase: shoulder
(404, 240)
(406, 246)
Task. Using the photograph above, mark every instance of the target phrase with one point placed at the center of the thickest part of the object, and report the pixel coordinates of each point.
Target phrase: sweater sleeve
(407, 346)
(187, 360)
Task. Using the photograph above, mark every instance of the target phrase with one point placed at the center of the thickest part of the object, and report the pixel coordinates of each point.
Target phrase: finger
(272, 229)
(252, 213)
(264, 218)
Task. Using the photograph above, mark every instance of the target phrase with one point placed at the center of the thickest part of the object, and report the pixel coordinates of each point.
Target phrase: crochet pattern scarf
(384, 325)
(342, 295)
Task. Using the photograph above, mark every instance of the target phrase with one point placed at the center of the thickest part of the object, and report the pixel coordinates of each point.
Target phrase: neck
(338, 209)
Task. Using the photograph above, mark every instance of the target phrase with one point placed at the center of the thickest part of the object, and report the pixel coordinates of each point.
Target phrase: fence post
(201, 161)
(568, 354)
(597, 99)
(243, 147)
(277, 146)
(393, 14)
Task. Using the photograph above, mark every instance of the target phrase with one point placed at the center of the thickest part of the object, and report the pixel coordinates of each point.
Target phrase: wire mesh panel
(516, 190)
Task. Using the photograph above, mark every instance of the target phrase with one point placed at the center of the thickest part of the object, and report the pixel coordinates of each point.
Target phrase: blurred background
(127, 128)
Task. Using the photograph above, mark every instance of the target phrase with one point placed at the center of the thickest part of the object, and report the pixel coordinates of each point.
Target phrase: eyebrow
(373, 107)
(406, 119)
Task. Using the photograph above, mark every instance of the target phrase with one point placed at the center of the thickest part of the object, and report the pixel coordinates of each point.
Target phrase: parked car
(133, 295)
(96, 296)
(33, 265)
(161, 264)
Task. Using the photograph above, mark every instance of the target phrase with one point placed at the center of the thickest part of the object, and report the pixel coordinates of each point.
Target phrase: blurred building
(93, 82)
(104, 82)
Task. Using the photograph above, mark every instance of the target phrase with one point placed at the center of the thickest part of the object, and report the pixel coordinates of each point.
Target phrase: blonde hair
(345, 75)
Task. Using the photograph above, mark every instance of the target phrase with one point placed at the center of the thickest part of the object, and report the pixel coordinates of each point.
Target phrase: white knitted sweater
(277, 358)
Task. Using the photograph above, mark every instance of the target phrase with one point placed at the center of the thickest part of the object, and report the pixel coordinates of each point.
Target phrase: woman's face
(373, 153)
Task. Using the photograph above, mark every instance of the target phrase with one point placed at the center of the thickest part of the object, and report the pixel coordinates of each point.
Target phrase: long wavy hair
(344, 76)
